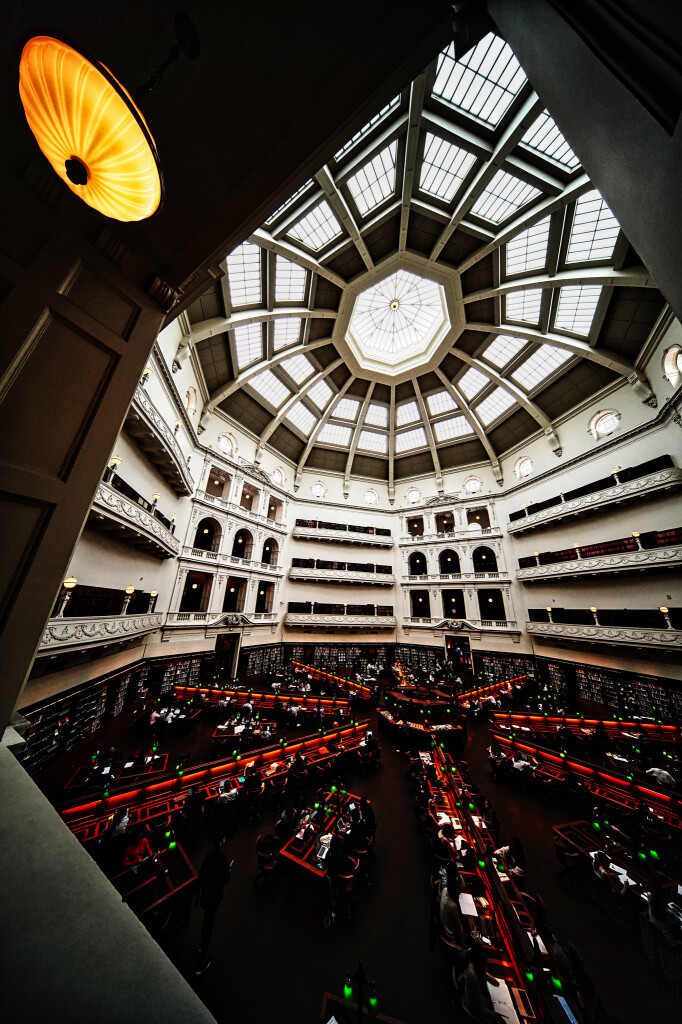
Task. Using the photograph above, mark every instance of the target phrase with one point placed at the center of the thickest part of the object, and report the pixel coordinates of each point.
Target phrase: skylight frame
(377, 119)
(286, 331)
(544, 138)
(373, 441)
(472, 383)
(444, 168)
(494, 405)
(376, 415)
(407, 412)
(594, 231)
(484, 83)
(317, 229)
(451, 428)
(503, 196)
(244, 275)
(289, 203)
(577, 306)
(440, 402)
(269, 387)
(248, 344)
(302, 418)
(299, 368)
(315, 390)
(347, 409)
(376, 179)
(523, 306)
(340, 435)
(410, 440)
(505, 348)
(528, 250)
(540, 366)
(291, 281)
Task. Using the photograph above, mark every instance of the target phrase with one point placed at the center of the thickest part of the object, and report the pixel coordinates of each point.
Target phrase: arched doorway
(242, 545)
(448, 562)
(270, 552)
(196, 592)
(207, 535)
(484, 560)
(417, 564)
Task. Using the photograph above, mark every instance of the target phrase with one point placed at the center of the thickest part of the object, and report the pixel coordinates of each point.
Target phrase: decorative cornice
(468, 625)
(125, 512)
(340, 621)
(627, 560)
(63, 633)
(607, 634)
(588, 502)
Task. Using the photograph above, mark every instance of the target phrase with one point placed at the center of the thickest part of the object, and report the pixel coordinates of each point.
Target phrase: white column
(176, 596)
(215, 605)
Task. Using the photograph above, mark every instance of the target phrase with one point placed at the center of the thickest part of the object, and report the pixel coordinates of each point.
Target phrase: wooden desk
(159, 894)
(120, 771)
(585, 839)
(301, 850)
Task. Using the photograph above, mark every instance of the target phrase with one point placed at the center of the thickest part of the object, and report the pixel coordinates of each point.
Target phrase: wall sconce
(173, 517)
(152, 598)
(663, 609)
(70, 583)
(68, 586)
(593, 609)
(115, 461)
(194, 586)
(155, 498)
(154, 593)
(146, 374)
(177, 426)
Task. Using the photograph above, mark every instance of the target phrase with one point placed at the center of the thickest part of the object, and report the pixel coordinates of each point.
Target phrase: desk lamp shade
(89, 129)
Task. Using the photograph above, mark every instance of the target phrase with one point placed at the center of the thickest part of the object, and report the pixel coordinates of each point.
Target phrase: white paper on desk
(540, 944)
(238, 729)
(467, 905)
(105, 771)
(456, 824)
(443, 819)
(128, 764)
(502, 1001)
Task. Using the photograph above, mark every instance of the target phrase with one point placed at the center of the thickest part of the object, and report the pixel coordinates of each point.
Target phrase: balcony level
(65, 634)
(215, 558)
(319, 622)
(645, 627)
(630, 484)
(240, 511)
(448, 536)
(654, 550)
(342, 576)
(341, 533)
(215, 619)
(120, 510)
(477, 626)
(154, 436)
(456, 577)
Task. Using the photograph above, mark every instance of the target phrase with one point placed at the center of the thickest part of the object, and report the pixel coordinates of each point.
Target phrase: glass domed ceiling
(442, 191)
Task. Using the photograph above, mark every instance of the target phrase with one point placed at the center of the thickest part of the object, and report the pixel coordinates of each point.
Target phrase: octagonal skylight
(397, 322)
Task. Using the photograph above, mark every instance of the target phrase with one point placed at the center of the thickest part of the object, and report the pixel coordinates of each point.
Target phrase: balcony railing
(220, 558)
(339, 621)
(463, 534)
(342, 536)
(65, 633)
(607, 634)
(147, 424)
(130, 519)
(238, 510)
(457, 577)
(219, 618)
(377, 579)
(626, 561)
(441, 622)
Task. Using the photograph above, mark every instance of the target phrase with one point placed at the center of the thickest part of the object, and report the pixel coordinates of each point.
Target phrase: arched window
(413, 496)
(672, 365)
(191, 402)
(604, 423)
(448, 562)
(318, 490)
(523, 467)
(270, 552)
(416, 564)
(484, 560)
(207, 535)
(371, 496)
(226, 444)
(242, 544)
(278, 476)
(472, 484)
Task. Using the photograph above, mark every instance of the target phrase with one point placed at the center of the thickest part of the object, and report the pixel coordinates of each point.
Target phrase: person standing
(214, 874)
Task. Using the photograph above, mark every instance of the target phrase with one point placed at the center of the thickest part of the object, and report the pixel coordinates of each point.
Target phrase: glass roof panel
(248, 342)
(270, 387)
(494, 405)
(301, 418)
(472, 382)
(410, 439)
(317, 228)
(502, 350)
(444, 167)
(576, 309)
(290, 281)
(483, 82)
(347, 409)
(320, 394)
(377, 415)
(545, 138)
(407, 413)
(524, 305)
(503, 196)
(298, 367)
(540, 365)
(442, 401)
(334, 433)
(594, 230)
(528, 251)
(287, 331)
(374, 182)
(290, 202)
(457, 426)
(243, 274)
(393, 105)
(370, 441)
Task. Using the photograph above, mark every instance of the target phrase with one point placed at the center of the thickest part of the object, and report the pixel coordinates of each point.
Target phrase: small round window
(278, 476)
(414, 496)
(604, 423)
(472, 485)
(318, 489)
(672, 364)
(371, 496)
(523, 467)
(226, 444)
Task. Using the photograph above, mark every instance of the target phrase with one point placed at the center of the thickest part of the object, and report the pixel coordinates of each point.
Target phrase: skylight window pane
(577, 305)
(502, 350)
(287, 331)
(444, 167)
(371, 442)
(483, 82)
(290, 202)
(503, 196)
(375, 181)
(334, 433)
(528, 251)
(410, 439)
(407, 413)
(524, 306)
(298, 367)
(243, 273)
(370, 124)
(540, 365)
(472, 382)
(270, 387)
(545, 138)
(377, 415)
(594, 230)
(301, 418)
(289, 281)
(347, 409)
(494, 405)
(317, 228)
(320, 394)
(458, 426)
(248, 342)
(440, 402)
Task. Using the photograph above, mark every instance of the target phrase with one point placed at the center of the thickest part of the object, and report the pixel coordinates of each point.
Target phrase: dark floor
(272, 958)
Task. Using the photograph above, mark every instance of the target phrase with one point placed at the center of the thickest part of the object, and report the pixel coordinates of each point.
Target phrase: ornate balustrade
(62, 634)
(113, 511)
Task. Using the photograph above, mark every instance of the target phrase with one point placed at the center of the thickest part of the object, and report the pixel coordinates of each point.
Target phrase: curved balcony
(468, 625)
(456, 577)
(212, 619)
(231, 507)
(452, 535)
(68, 634)
(626, 561)
(154, 436)
(342, 536)
(632, 635)
(115, 513)
(336, 623)
(348, 576)
(220, 558)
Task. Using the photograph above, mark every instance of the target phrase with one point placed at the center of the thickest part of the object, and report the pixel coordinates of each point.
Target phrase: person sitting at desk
(254, 782)
(476, 997)
(286, 826)
(138, 850)
(661, 916)
(448, 906)
(466, 858)
(369, 821)
(661, 776)
(513, 856)
(603, 870)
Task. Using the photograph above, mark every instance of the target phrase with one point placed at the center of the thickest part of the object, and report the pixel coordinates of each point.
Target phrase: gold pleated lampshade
(89, 129)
